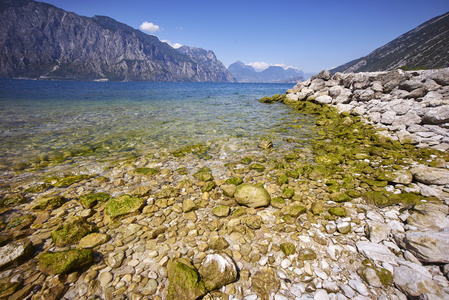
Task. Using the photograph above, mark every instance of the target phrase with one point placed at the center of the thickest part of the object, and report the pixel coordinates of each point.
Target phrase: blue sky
(309, 35)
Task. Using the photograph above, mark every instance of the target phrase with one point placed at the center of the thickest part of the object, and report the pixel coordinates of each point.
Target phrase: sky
(305, 34)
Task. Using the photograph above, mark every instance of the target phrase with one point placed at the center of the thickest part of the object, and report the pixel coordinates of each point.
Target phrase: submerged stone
(90, 200)
(15, 252)
(123, 205)
(52, 263)
(49, 203)
(217, 271)
(252, 196)
(184, 280)
(288, 248)
(265, 283)
(72, 231)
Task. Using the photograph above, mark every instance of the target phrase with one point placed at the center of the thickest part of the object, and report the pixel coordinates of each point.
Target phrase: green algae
(13, 200)
(72, 231)
(282, 179)
(53, 263)
(49, 203)
(199, 150)
(337, 211)
(147, 171)
(235, 181)
(21, 222)
(258, 167)
(91, 199)
(124, 205)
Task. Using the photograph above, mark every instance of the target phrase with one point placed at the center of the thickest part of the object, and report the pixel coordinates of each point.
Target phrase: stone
(317, 85)
(388, 117)
(123, 205)
(184, 280)
(335, 91)
(265, 144)
(324, 99)
(252, 196)
(105, 278)
(401, 176)
(72, 231)
(15, 253)
(306, 254)
(410, 85)
(344, 227)
(358, 286)
(52, 263)
(363, 95)
(438, 115)
(93, 240)
(292, 97)
(321, 295)
(430, 176)
(188, 205)
(441, 77)
(115, 259)
(90, 200)
(228, 190)
(374, 276)
(337, 211)
(48, 203)
(377, 231)
(288, 248)
(265, 283)
(429, 216)
(218, 243)
(415, 282)
(429, 247)
(253, 222)
(376, 252)
(217, 271)
(221, 210)
(325, 75)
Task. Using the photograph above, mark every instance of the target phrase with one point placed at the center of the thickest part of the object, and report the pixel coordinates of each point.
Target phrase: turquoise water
(42, 120)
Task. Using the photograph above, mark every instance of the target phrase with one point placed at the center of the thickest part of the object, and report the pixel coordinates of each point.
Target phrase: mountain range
(273, 74)
(41, 41)
(426, 46)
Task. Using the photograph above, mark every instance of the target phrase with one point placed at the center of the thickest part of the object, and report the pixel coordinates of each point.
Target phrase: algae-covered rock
(265, 144)
(401, 176)
(209, 186)
(147, 171)
(374, 276)
(218, 243)
(258, 167)
(307, 254)
(48, 203)
(72, 231)
(90, 200)
(288, 248)
(228, 190)
(337, 211)
(69, 180)
(287, 193)
(21, 222)
(235, 181)
(385, 198)
(184, 280)
(8, 288)
(204, 174)
(329, 159)
(340, 197)
(277, 202)
(252, 195)
(12, 200)
(217, 271)
(265, 283)
(52, 263)
(221, 210)
(293, 210)
(123, 205)
(282, 179)
(253, 222)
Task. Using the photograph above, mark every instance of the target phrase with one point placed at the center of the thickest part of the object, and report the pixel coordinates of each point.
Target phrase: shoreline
(344, 220)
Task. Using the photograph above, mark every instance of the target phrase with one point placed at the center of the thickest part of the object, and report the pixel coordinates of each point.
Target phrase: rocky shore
(360, 214)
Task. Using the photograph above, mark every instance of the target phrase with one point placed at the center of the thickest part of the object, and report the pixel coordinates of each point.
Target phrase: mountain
(425, 46)
(246, 73)
(41, 41)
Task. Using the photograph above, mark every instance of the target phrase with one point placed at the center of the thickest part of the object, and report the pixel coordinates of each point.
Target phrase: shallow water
(45, 120)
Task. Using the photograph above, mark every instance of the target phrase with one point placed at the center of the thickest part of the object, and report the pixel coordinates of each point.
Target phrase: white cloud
(175, 45)
(259, 66)
(150, 27)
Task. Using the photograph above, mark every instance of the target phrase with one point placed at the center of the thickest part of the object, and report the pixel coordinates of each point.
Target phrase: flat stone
(52, 263)
(15, 252)
(429, 216)
(429, 247)
(376, 252)
(377, 231)
(415, 282)
(431, 176)
(188, 205)
(92, 240)
(115, 259)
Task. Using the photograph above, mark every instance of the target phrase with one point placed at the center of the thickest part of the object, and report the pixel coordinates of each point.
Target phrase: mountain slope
(246, 73)
(41, 41)
(425, 46)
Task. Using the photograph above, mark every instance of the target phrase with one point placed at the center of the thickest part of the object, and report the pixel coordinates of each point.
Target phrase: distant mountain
(425, 46)
(246, 73)
(38, 40)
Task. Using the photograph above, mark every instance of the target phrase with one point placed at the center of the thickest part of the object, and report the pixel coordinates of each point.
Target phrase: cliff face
(41, 41)
(424, 46)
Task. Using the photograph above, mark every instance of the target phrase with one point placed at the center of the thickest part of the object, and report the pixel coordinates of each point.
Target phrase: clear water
(45, 118)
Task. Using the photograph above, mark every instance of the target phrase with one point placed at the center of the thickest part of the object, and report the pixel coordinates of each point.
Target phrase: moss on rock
(52, 263)
(123, 205)
(90, 200)
(72, 231)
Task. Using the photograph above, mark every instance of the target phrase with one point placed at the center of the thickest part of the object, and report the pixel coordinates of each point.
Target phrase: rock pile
(413, 106)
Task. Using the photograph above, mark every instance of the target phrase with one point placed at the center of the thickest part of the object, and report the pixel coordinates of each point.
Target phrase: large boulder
(15, 252)
(52, 263)
(415, 281)
(429, 247)
(429, 216)
(438, 115)
(252, 195)
(376, 252)
(430, 176)
(217, 270)
(265, 283)
(184, 280)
